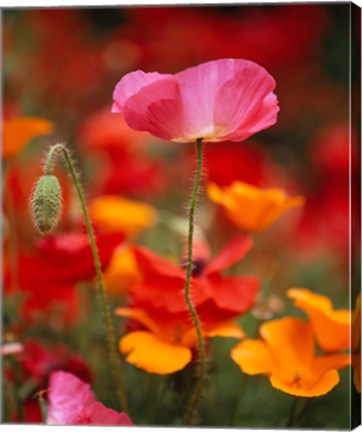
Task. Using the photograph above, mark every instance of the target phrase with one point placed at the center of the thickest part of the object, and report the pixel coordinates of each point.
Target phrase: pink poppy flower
(71, 402)
(222, 100)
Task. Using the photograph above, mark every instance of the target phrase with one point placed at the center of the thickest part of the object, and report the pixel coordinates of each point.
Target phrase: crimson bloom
(50, 272)
(68, 256)
(71, 402)
(38, 362)
(226, 99)
(161, 336)
(215, 296)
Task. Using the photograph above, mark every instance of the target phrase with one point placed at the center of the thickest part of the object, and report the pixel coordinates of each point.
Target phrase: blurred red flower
(47, 276)
(123, 166)
(38, 362)
(330, 153)
(273, 36)
(247, 162)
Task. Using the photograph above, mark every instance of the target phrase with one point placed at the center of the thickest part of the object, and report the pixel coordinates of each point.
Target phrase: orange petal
(253, 357)
(152, 354)
(122, 271)
(356, 324)
(19, 131)
(300, 388)
(223, 329)
(226, 329)
(139, 315)
(331, 327)
(322, 364)
(217, 195)
(251, 208)
(356, 363)
(290, 341)
(112, 213)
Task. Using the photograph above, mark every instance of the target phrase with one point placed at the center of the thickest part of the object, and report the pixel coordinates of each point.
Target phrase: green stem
(293, 413)
(111, 339)
(18, 399)
(201, 366)
(238, 399)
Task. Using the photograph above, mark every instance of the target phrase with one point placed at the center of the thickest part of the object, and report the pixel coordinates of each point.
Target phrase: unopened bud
(46, 203)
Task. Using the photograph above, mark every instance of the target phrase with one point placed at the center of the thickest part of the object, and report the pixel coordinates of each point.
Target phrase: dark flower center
(198, 266)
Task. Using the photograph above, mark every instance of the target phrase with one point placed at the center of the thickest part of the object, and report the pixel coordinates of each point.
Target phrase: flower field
(181, 218)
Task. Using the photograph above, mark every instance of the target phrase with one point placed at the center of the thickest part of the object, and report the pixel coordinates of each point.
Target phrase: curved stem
(201, 366)
(111, 339)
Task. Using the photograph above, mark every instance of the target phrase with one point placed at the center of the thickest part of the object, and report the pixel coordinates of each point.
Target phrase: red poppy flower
(38, 362)
(68, 256)
(120, 151)
(215, 296)
(47, 276)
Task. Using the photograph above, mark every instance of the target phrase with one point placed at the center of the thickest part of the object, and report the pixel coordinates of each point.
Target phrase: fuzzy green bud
(46, 203)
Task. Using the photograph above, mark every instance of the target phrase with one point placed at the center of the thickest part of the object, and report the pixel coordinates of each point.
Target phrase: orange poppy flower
(286, 354)
(164, 344)
(18, 131)
(331, 327)
(112, 213)
(249, 207)
(356, 345)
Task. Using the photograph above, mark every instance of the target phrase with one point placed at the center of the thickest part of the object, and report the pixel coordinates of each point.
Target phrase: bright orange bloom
(19, 131)
(331, 327)
(164, 344)
(249, 207)
(356, 344)
(112, 213)
(122, 271)
(286, 354)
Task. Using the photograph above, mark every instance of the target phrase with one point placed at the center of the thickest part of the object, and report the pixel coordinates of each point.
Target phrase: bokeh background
(63, 64)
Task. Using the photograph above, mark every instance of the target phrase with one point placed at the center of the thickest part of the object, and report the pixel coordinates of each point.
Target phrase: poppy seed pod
(46, 203)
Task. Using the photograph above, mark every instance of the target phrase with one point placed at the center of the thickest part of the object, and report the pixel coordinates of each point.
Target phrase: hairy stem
(103, 297)
(201, 366)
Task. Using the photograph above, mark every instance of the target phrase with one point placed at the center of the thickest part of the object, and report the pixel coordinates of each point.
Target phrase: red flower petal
(232, 252)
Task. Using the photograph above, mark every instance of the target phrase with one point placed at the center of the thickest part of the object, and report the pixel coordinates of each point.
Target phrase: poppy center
(197, 268)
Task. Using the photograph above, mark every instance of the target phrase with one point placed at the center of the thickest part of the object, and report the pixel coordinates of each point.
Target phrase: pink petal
(232, 252)
(69, 398)
(72, 402)
(100, 415)
(157, 108)
(199, 87)
(12, 348)
(130, 84)
(245, 104)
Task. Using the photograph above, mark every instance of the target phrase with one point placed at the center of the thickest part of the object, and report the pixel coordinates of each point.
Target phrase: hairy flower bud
(46, 203)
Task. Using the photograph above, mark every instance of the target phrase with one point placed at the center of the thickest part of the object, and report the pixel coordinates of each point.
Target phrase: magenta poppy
(222, 100)
(71, 402)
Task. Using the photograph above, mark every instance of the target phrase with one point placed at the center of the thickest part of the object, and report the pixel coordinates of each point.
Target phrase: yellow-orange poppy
(356, 344)
(111, 213)
(122, 271)
(331, 326)
(249, 207)
(19, 131)
(166, 348)
(286, 354)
